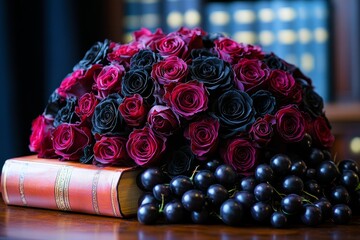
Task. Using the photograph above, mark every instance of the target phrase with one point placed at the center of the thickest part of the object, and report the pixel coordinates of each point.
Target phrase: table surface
(30, 223)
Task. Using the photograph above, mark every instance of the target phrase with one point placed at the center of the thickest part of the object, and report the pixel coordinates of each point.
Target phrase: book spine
(243, 21)
(284, 27)
(173, 18)
(132, 18)
(320, 77)
(150, 15)
(217, 18)
(61, 187)
(265, 26)
(191, 10)
(305, 53)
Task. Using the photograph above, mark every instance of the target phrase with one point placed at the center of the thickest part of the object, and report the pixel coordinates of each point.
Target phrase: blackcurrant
(217, 194)
(349, 179)
(204, 179)
(180, 184)
(261, 212)
(339, 194)
(147, 198)
(325, 207)
(263, 192)
(327, 172)
(225, 175)
(293, 184)
(193, 200)
(212, 165)
(148, 214)
(341, 214)
(291, 204)
(311, 215)
(149, 178)
(248, 184)
(316, 156)
(349, 164)
(201, 217)
(264, 173)
(310, 173)
(245, 198)
(313, 187)
(298, 168)
(162, 192)
(280, 164)
(174, 211)
(278, 220)
(231, 212)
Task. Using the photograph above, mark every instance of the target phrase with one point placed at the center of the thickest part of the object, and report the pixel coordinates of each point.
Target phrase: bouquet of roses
(183, 103)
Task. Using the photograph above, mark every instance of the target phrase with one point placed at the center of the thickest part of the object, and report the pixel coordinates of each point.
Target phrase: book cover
(70, 186)
(243, 21)
(217, 18)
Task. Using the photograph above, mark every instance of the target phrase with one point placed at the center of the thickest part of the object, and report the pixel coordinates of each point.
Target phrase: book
(217, 18)
(243, 21)
(70, 186)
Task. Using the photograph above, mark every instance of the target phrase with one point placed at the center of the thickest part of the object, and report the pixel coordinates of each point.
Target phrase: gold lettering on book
(113, 193)
(21, 183)
(62, 188)
(94, 192)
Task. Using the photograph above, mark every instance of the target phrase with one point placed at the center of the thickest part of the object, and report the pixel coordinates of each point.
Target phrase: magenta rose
(250, 74)
(163, 120)
(203, 136)
(145, 147)
(147, 38)
(321, 133)
(171, 45)
(133, 110)
(40, 138)
(109, 80)
(122, 53)
(109, 151)
(69, 140)
(187, 99)
(262, 130)
(284, 86)
(241, 155)
(79, 82)
(290, 124)
(172, 69)
(192, 37)
(86, 106)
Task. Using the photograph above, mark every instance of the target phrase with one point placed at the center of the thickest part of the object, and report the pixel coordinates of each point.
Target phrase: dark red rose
(203, 136)
(86, 106)
(241, 155)
(146, 37)
(187, 99)
(109, 80)
(192, 37)
(110, 151)
(163, 120)
(145, 147)
(290, 124)
(69, 82)
(251, 74)
(322, 133)
(40, 138)
(172, 69)
(171, 45)
(122, 53)
(69, 141)
(262, 130)
(284, 86)
(133, 110)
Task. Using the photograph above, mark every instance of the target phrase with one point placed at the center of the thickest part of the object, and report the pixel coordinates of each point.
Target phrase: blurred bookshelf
(321, 37)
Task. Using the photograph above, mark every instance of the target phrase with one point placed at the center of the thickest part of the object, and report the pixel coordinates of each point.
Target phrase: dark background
(40, 42)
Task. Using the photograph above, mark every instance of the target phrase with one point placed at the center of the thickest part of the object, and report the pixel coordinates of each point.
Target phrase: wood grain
(30, 223)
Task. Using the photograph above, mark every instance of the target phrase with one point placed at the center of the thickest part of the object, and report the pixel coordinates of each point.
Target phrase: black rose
(213, 72)
(95, 55)
(144, 59)
(140, 82)
(313, 102)
(264, 103)
(107, 118)
(55, 103)
(88, 156)
(181, 162)
(274, 62)
(208, 40)
(235, 111)
(67, 113)
(195, 53)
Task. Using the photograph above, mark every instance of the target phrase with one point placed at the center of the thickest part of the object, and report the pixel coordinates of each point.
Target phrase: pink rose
(163, 120)
(147, 38)
(109, 80)
(171, 45)
(172, 69)
(284, 86)
(122, 53)
(86, 106)
(40, 138)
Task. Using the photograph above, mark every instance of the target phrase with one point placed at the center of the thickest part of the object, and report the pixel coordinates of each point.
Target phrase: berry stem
(313, 196)
(162, 203)
(193, 173)
(357, 187)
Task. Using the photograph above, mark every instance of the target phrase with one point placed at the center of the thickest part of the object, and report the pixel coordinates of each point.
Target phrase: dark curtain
(40, 41)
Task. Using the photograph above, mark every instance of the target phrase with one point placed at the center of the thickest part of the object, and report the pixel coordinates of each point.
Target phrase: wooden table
(31, 223)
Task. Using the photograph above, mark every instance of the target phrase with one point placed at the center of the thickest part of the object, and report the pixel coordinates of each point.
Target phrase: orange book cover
(70, 186)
